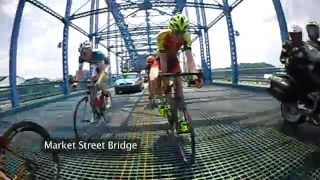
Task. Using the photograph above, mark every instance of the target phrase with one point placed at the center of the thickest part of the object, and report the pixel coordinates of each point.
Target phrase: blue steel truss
(123, 27)
(233, 49)
(135, 41)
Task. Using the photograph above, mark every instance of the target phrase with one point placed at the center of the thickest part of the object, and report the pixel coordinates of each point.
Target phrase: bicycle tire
(75, 125)
(192, 135)
(109, 96)
(28, 126)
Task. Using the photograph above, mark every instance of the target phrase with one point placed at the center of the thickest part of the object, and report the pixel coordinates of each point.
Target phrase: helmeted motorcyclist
(300, 58)
(312, 50)
(292, 54)
(313, 33)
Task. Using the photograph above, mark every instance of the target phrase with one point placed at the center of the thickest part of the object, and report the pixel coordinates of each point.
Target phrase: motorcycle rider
(313, 33)
(300, 58)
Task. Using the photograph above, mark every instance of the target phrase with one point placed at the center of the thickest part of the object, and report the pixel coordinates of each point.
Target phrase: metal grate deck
(224, 150)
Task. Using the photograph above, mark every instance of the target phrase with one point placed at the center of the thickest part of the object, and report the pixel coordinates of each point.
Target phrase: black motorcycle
(299, 97)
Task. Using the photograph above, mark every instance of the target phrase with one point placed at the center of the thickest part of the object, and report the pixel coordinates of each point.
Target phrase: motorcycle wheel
(290, 113)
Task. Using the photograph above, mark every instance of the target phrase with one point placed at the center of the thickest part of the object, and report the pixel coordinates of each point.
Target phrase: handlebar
(82, 81)
(179, 74)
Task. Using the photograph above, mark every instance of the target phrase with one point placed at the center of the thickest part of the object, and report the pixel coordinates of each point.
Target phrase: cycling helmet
(85, 44)
(313, 30)
(179, 23)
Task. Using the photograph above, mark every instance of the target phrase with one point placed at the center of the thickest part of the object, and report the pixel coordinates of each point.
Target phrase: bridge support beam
(204, 65)
(207, 46)
(233, 50)
(96, 27)
(13, 55)
(65, 48)
(281, 20)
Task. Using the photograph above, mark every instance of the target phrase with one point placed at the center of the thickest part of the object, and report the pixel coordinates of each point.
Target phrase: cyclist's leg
(179, 93)
(102, 85)
(178, 85)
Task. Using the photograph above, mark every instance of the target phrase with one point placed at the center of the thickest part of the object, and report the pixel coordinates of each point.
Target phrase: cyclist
(152, 64)
(169, 42)
(98, 64)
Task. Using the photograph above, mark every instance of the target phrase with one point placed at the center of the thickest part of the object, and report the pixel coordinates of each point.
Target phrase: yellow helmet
(179, 23)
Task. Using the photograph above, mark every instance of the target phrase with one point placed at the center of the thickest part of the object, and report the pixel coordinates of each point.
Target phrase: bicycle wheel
(24, 149)
(192, 142)
(84, 120)
(108, 100)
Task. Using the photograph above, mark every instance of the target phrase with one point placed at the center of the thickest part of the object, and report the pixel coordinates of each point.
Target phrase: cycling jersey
(167, 42)
(170, 44)
(97, 58)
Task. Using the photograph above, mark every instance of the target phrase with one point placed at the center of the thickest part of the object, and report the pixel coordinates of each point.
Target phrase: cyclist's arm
(187, 49)
(3, 176)
(162, 52)
(101, 62)
(102, 67)
(79, 73)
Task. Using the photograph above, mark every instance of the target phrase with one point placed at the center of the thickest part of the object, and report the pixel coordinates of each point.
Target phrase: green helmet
(179, 23)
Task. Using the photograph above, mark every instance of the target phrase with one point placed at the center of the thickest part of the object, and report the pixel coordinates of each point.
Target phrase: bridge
(239, 130)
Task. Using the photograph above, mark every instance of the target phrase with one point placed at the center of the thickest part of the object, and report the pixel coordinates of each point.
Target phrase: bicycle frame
(177, 104)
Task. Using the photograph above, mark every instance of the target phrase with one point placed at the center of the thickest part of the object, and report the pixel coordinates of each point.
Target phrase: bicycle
(97, 107)
(29, 166)
(173, 108)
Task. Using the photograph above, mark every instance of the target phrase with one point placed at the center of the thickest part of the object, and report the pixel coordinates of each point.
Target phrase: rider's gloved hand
(199, 80)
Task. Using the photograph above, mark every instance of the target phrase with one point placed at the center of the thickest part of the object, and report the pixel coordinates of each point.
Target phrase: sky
(39, 56)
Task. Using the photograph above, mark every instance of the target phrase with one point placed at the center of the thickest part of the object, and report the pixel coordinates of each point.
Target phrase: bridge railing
(250, 76)
(34, 91)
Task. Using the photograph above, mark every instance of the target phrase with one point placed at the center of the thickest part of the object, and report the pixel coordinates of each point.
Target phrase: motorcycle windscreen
(283, 89)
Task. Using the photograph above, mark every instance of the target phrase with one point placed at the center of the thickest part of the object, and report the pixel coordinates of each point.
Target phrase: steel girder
(232, 41)
(135, 31)
(13, 54)
(96, 27)
(220, 16)
(65, 49)
(123, 27)
(148, 33)
(204, 65)
(56, 15)
(155, 3)
(207, 46)
(281, 20)
(179, 6)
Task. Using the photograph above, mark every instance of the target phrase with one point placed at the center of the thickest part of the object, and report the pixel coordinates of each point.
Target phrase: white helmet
(85, 44)
(296, 28)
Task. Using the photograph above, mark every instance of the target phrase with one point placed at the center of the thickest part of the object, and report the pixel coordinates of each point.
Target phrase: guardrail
(32, 92)
(250, 76)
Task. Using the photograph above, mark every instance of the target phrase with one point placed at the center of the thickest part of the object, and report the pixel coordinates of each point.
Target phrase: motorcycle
(297, 105)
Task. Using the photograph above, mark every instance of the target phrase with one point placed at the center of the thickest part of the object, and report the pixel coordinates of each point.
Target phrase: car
(128, 82)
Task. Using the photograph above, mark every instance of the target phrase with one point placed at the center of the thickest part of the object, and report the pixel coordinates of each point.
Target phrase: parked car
(128, 82)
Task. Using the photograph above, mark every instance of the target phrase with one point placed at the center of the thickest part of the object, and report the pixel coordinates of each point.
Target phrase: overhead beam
(123, 27)
(155, 3)
(57, 16)
(220, 16)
